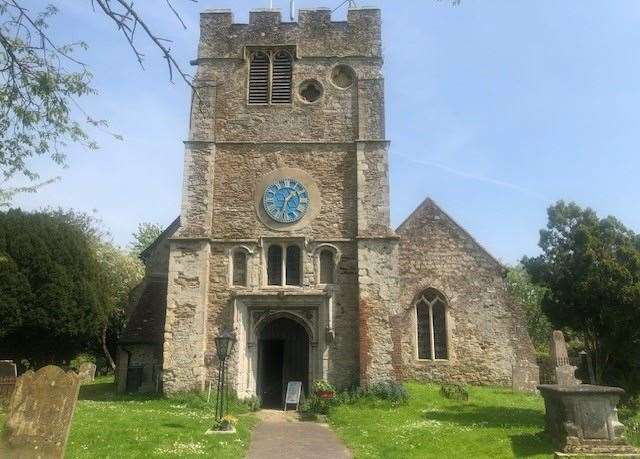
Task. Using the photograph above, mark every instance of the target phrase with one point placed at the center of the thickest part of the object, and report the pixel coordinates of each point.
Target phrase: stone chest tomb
(285, 237)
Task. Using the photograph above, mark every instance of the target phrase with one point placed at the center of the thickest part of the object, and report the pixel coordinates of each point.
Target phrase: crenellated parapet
(314, 35)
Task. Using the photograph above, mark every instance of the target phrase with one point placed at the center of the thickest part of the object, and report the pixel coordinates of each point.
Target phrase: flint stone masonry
(40, 413)
(487, 331)
(583, 420)
(361, 328)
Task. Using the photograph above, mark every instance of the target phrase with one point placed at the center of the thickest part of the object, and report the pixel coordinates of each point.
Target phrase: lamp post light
(224, 344)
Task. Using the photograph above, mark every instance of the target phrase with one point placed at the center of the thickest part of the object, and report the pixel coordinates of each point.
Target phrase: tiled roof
(146, 324)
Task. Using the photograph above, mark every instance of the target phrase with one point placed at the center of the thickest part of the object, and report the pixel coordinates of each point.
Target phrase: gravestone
(87, 372)
(8, 376)
(565, 372)
(40, 413)
(525, 377)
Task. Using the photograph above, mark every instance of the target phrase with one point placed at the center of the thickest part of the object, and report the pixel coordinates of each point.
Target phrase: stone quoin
(284, 235)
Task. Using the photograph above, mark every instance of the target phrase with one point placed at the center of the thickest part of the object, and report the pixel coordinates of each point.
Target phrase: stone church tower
(285, 177)
(284, 236)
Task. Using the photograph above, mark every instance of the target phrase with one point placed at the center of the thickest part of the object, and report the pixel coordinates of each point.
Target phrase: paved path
(280, 436)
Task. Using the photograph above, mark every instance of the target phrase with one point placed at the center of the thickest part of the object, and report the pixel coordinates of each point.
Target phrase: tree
(120, 272)
(41, 82)
(49, 297)
(530, 295)
(144, 237)
(64, 286)
(590, 268)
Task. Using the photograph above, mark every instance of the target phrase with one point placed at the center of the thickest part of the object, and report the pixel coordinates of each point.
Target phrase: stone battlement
(314, 35)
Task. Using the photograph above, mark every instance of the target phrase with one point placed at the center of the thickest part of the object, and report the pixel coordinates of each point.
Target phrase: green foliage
(78, 360)
(390, 391)
(144, 237)
(253, 403)
(454, 391)
(320, 385)
(39, 85)
(61, 282)
(50, 300)
(530, 296)
(590, 268)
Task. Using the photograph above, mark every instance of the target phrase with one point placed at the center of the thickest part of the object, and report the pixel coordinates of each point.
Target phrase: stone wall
(487, 332)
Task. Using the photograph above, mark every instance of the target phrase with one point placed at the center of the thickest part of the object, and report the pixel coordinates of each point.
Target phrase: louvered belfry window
(259, 78)
(270, 75)
(281, 78)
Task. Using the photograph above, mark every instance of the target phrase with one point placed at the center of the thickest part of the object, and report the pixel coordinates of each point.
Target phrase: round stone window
(342, 76)
(310, 90)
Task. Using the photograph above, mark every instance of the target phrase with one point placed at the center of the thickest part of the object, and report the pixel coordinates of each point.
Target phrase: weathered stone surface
(487, 332)
(360, 327)
(582, 419)
(558, 348)
(87, 372)
(566, 375)
(525, 377)
(40, 414)
(7, 369)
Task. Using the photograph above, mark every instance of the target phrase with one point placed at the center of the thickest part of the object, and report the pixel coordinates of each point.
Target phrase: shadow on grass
(106, 392)
(173, 425)
(488, 416)
(525, 445)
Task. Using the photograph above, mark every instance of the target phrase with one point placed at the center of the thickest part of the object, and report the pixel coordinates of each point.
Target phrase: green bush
(391, 391)
(253, 403)
(454, 391)
(80, 359)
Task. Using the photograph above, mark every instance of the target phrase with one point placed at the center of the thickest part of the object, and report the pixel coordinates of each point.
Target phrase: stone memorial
(582, 420)
(525, 377)
(40, 413)
(87, 372)
(565, 372)
(8, 376)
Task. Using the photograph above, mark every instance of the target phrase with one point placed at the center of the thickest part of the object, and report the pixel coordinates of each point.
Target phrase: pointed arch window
(431, 321)
(239, 268)
(327, 267)
(270, 76)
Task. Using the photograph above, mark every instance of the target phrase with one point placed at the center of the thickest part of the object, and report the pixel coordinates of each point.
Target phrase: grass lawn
(106, 425)
(494, 423)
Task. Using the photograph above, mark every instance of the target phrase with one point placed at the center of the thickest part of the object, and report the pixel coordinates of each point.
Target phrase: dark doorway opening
(283, 356)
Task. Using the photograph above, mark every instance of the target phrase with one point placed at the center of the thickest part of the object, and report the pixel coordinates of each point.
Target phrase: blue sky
(495, 109)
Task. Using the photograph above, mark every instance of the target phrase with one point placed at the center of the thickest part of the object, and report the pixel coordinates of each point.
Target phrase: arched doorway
(283, 356)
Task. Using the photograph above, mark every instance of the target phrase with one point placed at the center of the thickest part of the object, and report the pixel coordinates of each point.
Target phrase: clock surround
(293, 174)
(286, 200)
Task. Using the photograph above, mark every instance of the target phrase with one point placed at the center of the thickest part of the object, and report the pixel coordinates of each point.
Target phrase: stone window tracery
(284, 264)
(431, 321)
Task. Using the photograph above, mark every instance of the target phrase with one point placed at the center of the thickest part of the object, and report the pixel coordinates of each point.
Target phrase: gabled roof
(146, 324)
(429, 204)
(169, 230)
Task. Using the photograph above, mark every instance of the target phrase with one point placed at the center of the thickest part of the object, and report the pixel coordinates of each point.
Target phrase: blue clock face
(286, 200)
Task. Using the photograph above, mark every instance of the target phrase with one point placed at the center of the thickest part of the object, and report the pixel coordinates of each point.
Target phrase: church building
(284, 237)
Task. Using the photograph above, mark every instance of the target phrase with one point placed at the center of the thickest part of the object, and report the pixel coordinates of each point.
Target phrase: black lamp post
(224, 344)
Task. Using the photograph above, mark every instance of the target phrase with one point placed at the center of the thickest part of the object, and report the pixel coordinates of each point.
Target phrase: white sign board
(294, 390)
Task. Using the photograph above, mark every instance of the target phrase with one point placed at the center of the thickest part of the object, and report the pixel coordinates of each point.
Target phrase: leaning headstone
(565, 372)
(87, 372)
(8, 374)
(525, 377)
(40, 413)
